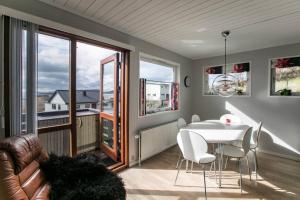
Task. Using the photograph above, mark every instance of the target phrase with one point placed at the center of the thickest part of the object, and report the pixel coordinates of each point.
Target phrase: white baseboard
(133, 163)
(296, 158)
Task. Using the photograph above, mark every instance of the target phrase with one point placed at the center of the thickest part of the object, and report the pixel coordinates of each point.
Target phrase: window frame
(125, 53)
(176, 79)
(213, 65)
(269, 91)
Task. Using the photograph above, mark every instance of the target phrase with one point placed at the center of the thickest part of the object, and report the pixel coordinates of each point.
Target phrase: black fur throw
(82, 177)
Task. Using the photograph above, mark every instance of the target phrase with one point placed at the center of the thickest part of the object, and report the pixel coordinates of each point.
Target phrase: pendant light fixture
(225, 85)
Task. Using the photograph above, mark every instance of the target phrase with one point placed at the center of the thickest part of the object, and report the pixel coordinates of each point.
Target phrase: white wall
(280, 115)
(135, 122)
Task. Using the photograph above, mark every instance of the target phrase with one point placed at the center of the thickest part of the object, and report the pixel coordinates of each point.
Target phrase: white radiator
(156, 139)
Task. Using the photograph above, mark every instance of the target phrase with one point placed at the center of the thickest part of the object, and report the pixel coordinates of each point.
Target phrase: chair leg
(255, 165)
(226, 162)
(256, 161)
(186, 166)
(241, 178)
(210, 168)
(249, 171)
(179, 157)
(204, 182)
(215, 171)
(178, 171)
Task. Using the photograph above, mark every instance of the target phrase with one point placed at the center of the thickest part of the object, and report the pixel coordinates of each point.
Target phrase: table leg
(219, 164)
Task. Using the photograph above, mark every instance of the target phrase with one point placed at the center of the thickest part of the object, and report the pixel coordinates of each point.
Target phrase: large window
(158, 87)
(285, 76)
(53, 78)
(240, 71)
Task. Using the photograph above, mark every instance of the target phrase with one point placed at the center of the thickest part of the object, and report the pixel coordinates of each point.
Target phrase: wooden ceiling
(192, 27)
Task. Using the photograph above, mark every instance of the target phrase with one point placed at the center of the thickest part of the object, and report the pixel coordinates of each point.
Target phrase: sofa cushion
(23, 150)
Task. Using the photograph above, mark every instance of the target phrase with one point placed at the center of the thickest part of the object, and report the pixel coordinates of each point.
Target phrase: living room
(116, 83)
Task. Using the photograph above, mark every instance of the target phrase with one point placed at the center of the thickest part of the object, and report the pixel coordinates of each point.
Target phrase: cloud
(156, 72)
(54, 62)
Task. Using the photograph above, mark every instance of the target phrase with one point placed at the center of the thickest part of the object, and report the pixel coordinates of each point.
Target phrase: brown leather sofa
(20, 174)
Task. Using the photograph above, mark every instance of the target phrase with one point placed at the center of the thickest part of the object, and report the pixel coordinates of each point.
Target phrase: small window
(157, 81)
(285, 76)
(77, 106)
(53, 106)
(59, 107)
(241, 72)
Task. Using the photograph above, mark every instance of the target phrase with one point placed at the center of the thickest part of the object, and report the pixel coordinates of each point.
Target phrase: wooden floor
(278, 178)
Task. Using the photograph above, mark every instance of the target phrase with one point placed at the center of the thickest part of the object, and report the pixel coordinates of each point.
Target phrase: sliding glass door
(82, 96)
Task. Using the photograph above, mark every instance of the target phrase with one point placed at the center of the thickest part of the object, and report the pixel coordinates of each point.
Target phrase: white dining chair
(195, 118)
(194, 148)
(230, 119)
(238, 152)
(253, 145)
(181, 123)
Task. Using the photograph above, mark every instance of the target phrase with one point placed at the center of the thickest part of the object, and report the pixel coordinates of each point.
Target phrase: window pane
(158, 97)
(108, 87)
(240, 71)
(107, 132)
(53, 80)
(209, 79)
(159, 78)
(24, 82)
(156, 72)
(287, 78)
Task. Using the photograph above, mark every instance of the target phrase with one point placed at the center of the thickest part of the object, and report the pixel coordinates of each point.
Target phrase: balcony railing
(58, 142)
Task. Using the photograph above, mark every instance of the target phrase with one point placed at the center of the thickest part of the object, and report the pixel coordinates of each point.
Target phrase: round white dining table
(216, 132)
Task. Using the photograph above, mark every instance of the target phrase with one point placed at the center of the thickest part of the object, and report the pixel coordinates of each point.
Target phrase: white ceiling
(192, 28)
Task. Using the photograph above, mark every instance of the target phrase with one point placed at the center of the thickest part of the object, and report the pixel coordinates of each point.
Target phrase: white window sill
(158, 113)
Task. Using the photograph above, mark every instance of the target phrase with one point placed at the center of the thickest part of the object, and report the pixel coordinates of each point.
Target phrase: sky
(54, 62)
(155, 72)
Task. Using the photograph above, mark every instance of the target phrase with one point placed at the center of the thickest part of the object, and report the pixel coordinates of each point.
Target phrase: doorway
(99, 103)
(90, 110)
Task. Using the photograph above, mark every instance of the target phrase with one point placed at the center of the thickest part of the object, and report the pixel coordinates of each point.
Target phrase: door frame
(111, 152)
(124, 97)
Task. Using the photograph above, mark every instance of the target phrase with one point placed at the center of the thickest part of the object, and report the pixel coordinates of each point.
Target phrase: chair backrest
(181, 123)
(195, 118)
(230, 119)
(191, 144)
(256, 134)
(246, 140)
